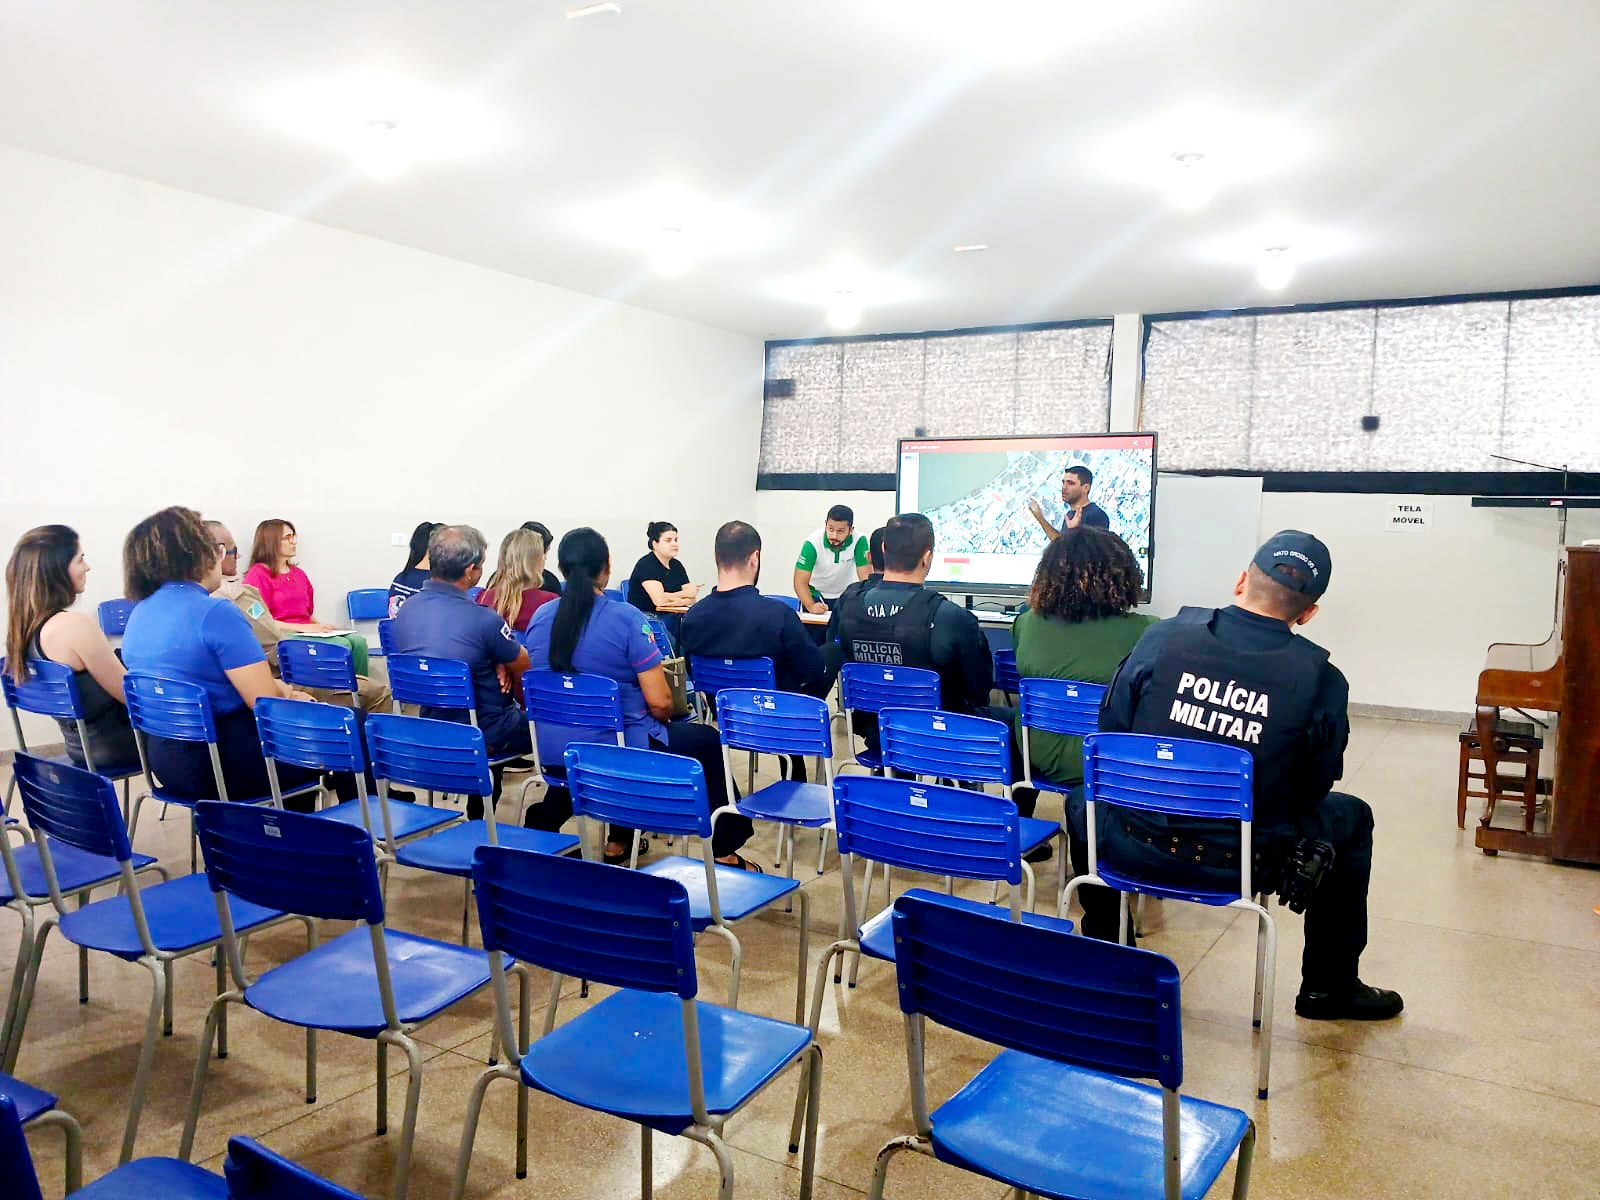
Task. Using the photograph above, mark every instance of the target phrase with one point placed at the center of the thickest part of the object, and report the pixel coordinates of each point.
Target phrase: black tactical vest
(893, 628)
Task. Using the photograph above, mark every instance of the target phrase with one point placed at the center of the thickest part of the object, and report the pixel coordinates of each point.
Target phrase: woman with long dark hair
(414, 576)
(590, 633)
(46, 575)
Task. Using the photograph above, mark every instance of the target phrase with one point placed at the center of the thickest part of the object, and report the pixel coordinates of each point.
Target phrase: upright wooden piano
(1559, 675)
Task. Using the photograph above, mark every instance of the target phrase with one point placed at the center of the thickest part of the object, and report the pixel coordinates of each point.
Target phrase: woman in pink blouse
(286, 590)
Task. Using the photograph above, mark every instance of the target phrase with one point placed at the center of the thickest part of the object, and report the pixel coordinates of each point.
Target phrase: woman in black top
(410, 580)
(659, 583)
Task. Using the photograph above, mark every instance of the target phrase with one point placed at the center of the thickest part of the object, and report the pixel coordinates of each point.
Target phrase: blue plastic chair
(373, 982)
(303, 663)
(1006, 679)
(1181, 777)
(74, 812)
(619, 594)
(250, 1171)
(1062, 706)
(1057, 1112)
(572, 700)
(781, 723)
(23, 1106)
(792, 602)
(870, 688)
(327, 737)
(651, 789)
(367, 605)
(710, 675)
(650, 1053)
(430, 682)
(385, 637)
(448, 757)
(181, 711)
(113, 615)
(660, 635)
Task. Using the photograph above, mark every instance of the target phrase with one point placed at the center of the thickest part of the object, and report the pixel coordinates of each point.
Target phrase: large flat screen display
(976, 493)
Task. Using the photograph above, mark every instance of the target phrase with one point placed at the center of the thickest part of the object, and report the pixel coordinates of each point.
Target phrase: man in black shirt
(1242, 677)
(1076, 484)
(898, 622)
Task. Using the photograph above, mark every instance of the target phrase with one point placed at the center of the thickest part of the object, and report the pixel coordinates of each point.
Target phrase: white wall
(159, 347)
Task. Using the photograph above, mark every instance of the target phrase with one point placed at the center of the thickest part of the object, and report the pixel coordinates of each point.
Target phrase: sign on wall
(1408, 516)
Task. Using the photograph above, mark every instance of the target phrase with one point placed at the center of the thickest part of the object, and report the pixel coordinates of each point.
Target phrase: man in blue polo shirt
(443, 621)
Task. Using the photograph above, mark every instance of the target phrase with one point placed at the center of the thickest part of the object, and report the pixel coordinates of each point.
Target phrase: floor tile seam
(1280, 1036)
(1221, 933)
(795, 1166)
(1504, 937)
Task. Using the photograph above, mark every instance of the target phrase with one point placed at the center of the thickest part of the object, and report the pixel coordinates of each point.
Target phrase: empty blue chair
(306, 664)
(327, 737)
(650, 1053)
(651, 789)
(1058, 1111)
(1181, 777)
(782, 723)
(430, 682)
(572, 701)
(870, 688)
(1061, 706)
(74, 813)
(1006, 678)
(113, 615)
(365, 606)
(711, 675)
(51, 690)
(23, 1106)
(373, 983)
(444, 756)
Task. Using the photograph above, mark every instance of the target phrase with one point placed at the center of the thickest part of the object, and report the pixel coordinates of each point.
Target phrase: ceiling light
(1275, 269)
(672, 254)
(385, 123)
(593, 10)
(845, 310)
(381, 150)
(1193, 181)
(971, 247)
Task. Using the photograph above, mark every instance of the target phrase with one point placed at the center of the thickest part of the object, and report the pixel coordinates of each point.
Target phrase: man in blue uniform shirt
(443, 621)
(1241, 676)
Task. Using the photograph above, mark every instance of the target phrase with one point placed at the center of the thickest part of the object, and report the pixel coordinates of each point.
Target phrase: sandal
(618, 859)
(744, 864)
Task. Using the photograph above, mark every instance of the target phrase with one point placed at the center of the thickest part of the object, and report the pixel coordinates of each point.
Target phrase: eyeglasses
(227, 550)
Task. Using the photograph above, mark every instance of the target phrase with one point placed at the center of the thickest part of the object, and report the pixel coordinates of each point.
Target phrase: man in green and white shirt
(831, 559)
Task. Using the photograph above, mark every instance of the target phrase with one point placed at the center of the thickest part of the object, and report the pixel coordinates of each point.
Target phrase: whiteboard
(1207, 527)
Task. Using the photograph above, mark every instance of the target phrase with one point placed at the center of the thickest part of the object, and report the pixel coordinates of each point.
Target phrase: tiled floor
(1486, 1086)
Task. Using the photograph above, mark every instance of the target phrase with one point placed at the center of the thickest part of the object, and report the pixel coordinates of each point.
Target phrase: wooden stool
(1517, 744)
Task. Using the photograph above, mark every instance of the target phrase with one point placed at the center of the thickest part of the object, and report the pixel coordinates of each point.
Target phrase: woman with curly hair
(1079, 624)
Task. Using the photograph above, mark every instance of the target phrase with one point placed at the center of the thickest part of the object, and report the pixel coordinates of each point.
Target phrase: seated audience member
(901, 623)
(551, 583)
(44, 578)
(830, 559)
(1312, 845)
(371, 696)
(737, 621)
(287, 592)
(659, 583)
(414, 576)
(515, 589)
(441, 621)
(591, 633)
(179, 630)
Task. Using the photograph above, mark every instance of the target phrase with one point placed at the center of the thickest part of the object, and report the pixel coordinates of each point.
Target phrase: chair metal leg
(19, 972)
(646, 1172)
(469, 1130)
(202, 1064)
(408, 1128)
(72, 1139)
(19, 1019)
(1269, 969)
(839, 949)
(383, 1087)
(222, 986)
(777, 848)
(147, 1052)
(466, 909)
(715, 1144)
(822, 848)
(1241, 1170)
(83, 959)
(880, 1170)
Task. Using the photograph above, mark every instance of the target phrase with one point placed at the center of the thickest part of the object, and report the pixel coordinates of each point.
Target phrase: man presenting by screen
(830, 560)
(1076, 484)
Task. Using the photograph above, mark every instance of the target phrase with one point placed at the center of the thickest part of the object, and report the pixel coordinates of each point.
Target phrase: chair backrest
(929, 828)
(1044, 992)
(711, 675)
(255, 1173)
(367, 604)
(319, 737)
(585, 919)
(51, 690)
(868, 687)
(1061, 705)
(1181, 777)
(945, 745)
(431, 682)
(441, 756)
(1005, 670)
(72, 805)
(308, 664)
(641, 789)
(660, 635)
(774, 722)
(788, 601)
(291, 861)
(386, 636)
(113, 616)
(16, 1162)
(169, 708)
(619, 594)
(584, 701)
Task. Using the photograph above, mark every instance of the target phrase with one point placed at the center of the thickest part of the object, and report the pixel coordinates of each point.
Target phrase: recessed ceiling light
(1276, 268)
(384, 122)
(593, 10)
(1193, 182)
(672, 254)
(845, 310)
(971, 247)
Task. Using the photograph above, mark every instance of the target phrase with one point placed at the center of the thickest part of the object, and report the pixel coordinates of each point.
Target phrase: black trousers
(185, 767)
(1336, 917)
(692, 740)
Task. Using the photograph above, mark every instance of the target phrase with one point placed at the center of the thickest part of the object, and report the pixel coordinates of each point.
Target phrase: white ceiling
(1420, 148)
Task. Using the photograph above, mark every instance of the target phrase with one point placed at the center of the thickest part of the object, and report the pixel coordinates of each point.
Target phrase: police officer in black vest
(898, 622)
(1240, 675)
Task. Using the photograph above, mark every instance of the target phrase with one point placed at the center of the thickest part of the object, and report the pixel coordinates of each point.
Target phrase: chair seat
(1069, 1132)
(335, 986)
(877, 935)
(871, 759)
(1045, 784)
(1130, 883)
(407, 820)
(30, 1101)
(450, 852)
(75, 870)
(116, 772)
(637, 1038)
(146, 1178)
(807, 805)
(739, 893)
(182, 914)
(1035, 831)
(163, 795)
